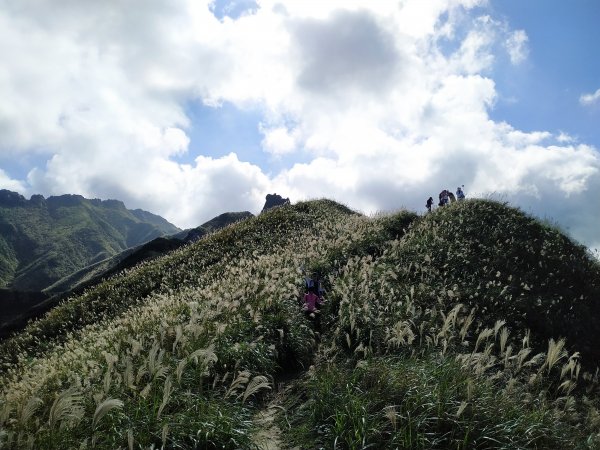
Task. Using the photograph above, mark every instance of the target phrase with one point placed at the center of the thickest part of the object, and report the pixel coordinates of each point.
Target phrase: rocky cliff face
(274, 200)
(10, 199)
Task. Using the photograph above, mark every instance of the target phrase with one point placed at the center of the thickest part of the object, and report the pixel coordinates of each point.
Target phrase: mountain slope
(419, 346)
(159, 246)
(42, 240)
(20, 307)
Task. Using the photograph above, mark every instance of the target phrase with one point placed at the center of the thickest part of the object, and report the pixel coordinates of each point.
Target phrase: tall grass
(425, 340)
(212, 320)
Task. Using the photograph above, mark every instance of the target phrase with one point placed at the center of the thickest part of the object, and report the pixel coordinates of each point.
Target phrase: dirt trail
(268, 434)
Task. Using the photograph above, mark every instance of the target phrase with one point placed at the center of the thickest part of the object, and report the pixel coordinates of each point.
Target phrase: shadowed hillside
(441, 331)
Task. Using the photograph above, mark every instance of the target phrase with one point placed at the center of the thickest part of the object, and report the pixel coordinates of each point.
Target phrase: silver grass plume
(484, 335)
(258, 382)
(66, 409)
(165, 432)
(130, 440)
(166, 396)
(242, 378)
(204, 355)
(29, 410)
(503, 339)
(499, 324)
(103, 408)
(555, 352)
(5, 413)
(466, 324)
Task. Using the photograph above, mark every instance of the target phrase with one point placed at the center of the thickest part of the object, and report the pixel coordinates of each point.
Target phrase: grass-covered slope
(128, 258)
(14, 315)
(43, 240)
(422, 344)
(512, 267)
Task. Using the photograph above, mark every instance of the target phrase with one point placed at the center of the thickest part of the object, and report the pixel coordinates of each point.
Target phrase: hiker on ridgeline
(309, 283)
(460, 195)
(311, 309)
(429, 204)
(451, 196)
(443, 197)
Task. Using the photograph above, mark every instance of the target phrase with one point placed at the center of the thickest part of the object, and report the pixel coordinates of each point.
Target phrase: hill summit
(45, 239)
(470, 327)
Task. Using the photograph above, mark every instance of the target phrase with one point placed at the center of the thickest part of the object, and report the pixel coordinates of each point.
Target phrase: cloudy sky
(189, 108)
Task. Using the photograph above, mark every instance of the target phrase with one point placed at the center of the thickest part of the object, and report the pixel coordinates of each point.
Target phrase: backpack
(309, 283)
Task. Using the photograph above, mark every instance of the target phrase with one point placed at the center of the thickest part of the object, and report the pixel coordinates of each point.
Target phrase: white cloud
(370, 96)
(7, 182)
(519, 138)
(349, 51)
(516, 45)
(474, 55)
(565, 138)
(279, 140)
(590, 99)
(185, 194)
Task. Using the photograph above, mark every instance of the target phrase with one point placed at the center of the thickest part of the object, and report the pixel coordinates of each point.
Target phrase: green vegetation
(126, 259)
(43, 240)
(438, 332)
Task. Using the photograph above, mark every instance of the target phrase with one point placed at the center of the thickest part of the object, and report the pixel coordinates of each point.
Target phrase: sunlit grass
(445, 331)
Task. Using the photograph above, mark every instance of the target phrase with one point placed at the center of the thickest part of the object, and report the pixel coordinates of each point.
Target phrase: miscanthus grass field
(471, 327)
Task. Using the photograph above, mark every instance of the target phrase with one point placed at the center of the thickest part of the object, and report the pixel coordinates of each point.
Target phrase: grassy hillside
(423, 341)
(43, 240)
(93, 273)
(18, 308)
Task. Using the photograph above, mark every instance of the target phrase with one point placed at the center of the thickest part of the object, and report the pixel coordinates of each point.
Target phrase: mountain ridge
(43, 239)
(34, 304)
(445, 330)
(134, 255)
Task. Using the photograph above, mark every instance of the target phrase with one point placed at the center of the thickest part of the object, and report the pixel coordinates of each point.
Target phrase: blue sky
(219, 130)
(188, 108)
(563, 63)
(542, 93)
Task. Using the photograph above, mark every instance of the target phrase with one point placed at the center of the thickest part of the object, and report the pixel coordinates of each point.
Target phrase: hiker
(451, 197)
(309, 283)
(460, 195)
(429, 204)
(312, 300)
(320, 292)
(314, 281)
(312, 304)
(444, 197)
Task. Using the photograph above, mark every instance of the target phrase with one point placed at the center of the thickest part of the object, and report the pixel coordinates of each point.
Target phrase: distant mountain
(93, 273)
(17, 308)
(43, 240)
(214, 224)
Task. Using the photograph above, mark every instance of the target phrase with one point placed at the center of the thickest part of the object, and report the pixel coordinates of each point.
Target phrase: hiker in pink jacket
(311, 301)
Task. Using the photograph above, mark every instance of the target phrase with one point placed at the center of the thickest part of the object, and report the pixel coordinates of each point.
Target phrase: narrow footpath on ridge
(268, 434)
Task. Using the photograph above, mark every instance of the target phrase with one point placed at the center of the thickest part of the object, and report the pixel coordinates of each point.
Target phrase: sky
(190, 108)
